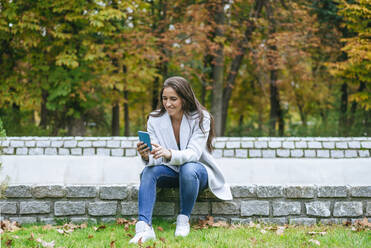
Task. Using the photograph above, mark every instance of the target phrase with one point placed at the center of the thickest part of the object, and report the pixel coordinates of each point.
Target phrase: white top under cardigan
(192, 148)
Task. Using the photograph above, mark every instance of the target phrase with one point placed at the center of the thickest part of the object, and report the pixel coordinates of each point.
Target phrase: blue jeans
(191, 179)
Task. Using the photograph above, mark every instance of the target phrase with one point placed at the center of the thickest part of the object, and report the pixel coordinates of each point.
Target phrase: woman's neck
(177, 118)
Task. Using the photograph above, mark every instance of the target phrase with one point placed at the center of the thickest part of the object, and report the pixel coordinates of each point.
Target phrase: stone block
(19, 191)
(8, 151)
(48, 191)
(241, 153)
(242, 221)
(225, 207)
(129, 208)
(23, 219)
(34, 207)
(332, 191)
(302, 221)
(36, 151)
(310, 153)
(57, 143)
(351, 154)
(201, 208)
(16, 143)
(330, 221)
(88, 151)
(113, 143)
(119, 152)
(241, 191)
(247, 144)
(233, 144)
(70, 143)
(113, 192)
(315, 144)
(342, 209)
(130, 152)
(63, 151)
(250, 208)
(269, 153)
(354, 144)
(286, 208)
(228, 153)
(133, 189)
(366, 144)
(99, 143)
(50, 151)
(283, 153)
(21, 151)
(84, 144)
(318, 208)
(218, 153)
(341, 145)
(323, 153)
(300, 191)
(329, 145)
(253, 153)
(261, 144)
(103, 152)
(107, 220)
(297, 153)
(220, 145)
(337, 154)
(81, 191)
(48, 221)
(102, 208)
(43, 143)
(8, 208)
(269, 191)
(360, 191)
(368, 208)
(275, 221)
(274, 144)
(76, 151)
(301, 144)
(164, 208)
(288, 145)
(364, 153)
(128, 144)
(63, 208)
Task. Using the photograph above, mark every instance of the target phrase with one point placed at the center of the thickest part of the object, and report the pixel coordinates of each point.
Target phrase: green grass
(293, 236)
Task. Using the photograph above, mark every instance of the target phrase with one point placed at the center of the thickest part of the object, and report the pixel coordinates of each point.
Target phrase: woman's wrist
(168, 157)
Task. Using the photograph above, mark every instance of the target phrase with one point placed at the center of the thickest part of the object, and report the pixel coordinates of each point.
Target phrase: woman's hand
(143, 150)
(159, 152)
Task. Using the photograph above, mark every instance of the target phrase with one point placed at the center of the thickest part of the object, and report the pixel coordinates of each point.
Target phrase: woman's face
(171, 101)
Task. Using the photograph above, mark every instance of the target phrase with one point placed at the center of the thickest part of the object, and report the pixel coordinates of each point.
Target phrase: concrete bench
(101, 188)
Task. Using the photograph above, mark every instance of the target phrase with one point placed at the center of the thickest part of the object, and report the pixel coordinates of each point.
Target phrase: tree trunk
(237, 61)
(126, 114)
(44, 110)
(274, 103)
(343, 109)
(218, 70)
(76, 127)
(353, 109)
(116, 120)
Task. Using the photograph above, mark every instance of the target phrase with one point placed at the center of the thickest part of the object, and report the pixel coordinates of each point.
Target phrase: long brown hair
(190, 105)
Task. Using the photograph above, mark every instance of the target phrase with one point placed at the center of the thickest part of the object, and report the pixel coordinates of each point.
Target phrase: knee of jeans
(147, 173)
(188, 171)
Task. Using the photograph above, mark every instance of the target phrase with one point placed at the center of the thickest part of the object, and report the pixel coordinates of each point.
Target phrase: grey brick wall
(265, 203)
(229, 147)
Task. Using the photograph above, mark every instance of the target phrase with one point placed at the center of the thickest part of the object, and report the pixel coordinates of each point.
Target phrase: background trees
(261, 67)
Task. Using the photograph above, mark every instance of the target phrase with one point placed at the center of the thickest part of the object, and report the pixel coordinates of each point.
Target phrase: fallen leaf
(60, 231)
(129, 235)
(121, 221)
(8, 226)
(90, 236)
(160, 229)
(99, 228)
(46, 244)
(163, 239)
(32, 237)
(315, 233)
(126, 227)
(9, 242)
(83, 225)
(140, 242)
(280, 231)
(314, 241)
(253, 239)
(47, 227)
(112, 245)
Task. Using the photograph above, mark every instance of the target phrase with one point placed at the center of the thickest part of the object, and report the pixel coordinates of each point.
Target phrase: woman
(181, 132)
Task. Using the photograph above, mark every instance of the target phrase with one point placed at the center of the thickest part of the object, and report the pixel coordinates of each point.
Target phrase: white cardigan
(192, 148)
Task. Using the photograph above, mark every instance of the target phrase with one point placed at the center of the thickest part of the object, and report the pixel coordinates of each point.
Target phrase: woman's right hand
(143, 150)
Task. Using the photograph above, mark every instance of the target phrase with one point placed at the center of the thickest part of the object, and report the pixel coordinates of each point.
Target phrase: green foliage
(2, 130)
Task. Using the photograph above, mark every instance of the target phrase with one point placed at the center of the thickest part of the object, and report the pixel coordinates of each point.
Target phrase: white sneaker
(182, 225)
(144, 232)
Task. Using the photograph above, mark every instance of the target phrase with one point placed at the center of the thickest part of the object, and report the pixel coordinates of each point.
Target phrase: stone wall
(236, 147)
(268, 204)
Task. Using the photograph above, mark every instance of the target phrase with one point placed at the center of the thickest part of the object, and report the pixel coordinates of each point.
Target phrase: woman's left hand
(160, 151)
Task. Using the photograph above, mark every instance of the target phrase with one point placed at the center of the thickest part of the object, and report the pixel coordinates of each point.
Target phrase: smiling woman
(181, 131)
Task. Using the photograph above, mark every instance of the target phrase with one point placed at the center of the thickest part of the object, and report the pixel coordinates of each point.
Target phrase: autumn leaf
(45, 244)
(47, 227)
(90, 236)
(315, 233)
(99, 228)
(9, 242)
(8, 226)
(32, 237)
(83, 225)
(160, 229)
(280, 230)
(163, 239)
(112, 245)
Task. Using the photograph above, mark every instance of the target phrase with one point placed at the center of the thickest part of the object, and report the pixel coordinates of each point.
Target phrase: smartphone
(144, 136)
